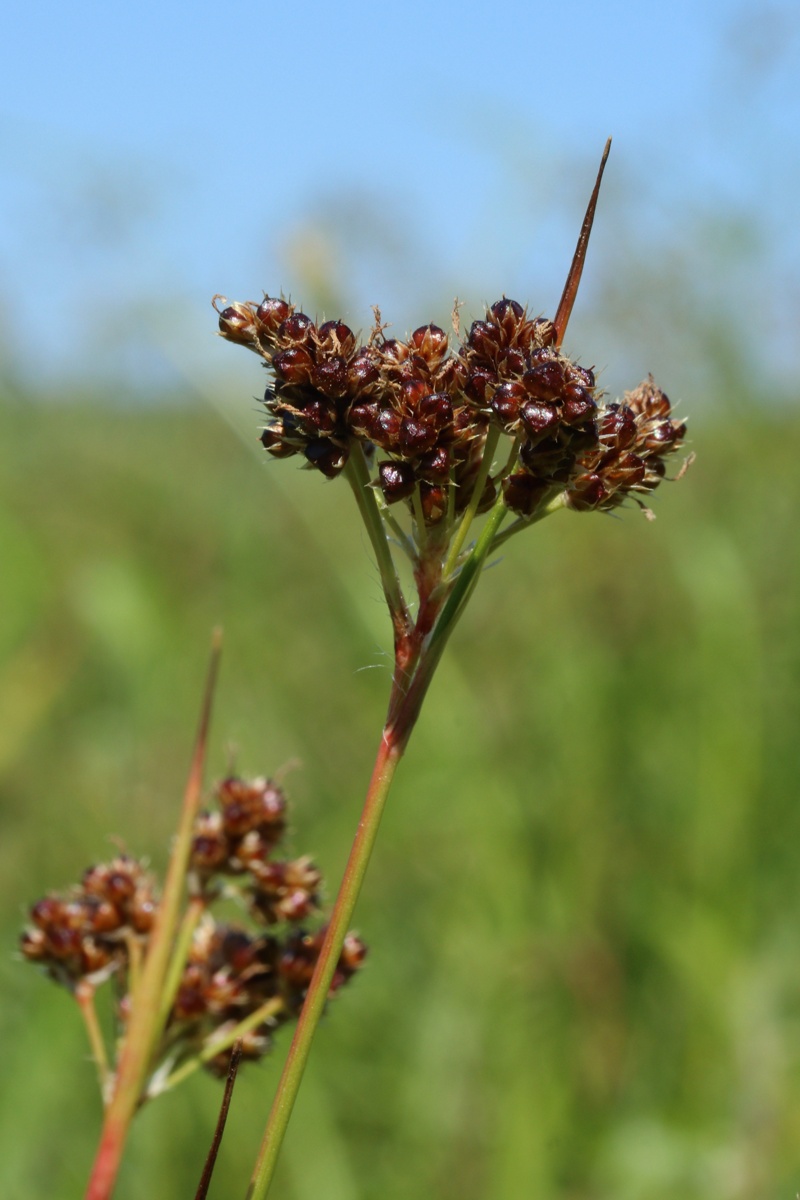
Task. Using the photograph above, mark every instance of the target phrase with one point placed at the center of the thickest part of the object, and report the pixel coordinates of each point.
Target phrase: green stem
(183, 944)
(401, 537)
(84, 994)
(144, 1026)
(428, 660)
(388, 757)
(358, 477)
(268, 1010)
(545, 510)
(419, 521)
(471, 510)
(511, 461)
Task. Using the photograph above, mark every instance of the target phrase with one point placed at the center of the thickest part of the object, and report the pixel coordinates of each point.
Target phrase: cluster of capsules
(427, 410)
(99, 928)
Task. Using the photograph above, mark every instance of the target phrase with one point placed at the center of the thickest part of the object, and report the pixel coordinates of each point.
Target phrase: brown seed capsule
(523, 493)
(479, 382)
(393, 351)
(578, 407)
(630, 471)
(294, 365)
(507, 313)
(33, 944)
(512, 363)
(210, 846)
(430, 342)
(326, 456)
(296, 329)
(539, 419)
(94, 957)
(434, 466)
(251, 804)
(362, 370)
(102, 916)
(505, 404)
(47, 911)
(546, 381)
(544, 331)
(484, 339)
(436, 408)
(416, 437)
(320, 415)
(330, 376)
(617, 427)
(142, 912)
(581, 376)
(450, 376)
(413, 392)
(662, 437)
(589, 492)
(334, 337)
(389, 423)
(236, 323)
(397, 480)
(64, 943)
(434, 502)
(273, 439)
(270, 314)
(363, 421)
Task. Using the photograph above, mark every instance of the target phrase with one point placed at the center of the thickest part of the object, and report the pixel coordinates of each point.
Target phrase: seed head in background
(239, 981)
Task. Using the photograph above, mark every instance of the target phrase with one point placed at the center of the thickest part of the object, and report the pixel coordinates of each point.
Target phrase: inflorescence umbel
(239, 981)
(425, 413)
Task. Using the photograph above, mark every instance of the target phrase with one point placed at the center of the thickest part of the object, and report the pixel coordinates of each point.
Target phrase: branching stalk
(183, 944)
(359, 479)
(268, 1010)
(84, 994)
(471, 510)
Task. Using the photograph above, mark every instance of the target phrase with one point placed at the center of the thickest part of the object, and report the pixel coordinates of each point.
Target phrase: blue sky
(399, 153)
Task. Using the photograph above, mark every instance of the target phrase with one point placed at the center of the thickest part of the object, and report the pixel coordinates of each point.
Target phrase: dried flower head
(86, 933)
(429, 416)
(100, 929)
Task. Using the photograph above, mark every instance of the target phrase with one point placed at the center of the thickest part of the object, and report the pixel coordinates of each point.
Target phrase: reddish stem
(146, 1016)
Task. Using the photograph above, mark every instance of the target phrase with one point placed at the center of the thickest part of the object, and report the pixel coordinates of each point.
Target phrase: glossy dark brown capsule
(397, 480)
(297, 328)
(271, 313)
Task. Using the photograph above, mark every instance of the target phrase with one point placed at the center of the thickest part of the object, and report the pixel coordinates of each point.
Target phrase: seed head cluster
(425, 410)
(88, 933)
(101, 926)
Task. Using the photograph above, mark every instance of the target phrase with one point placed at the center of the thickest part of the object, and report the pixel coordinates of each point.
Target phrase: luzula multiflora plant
(449, 452)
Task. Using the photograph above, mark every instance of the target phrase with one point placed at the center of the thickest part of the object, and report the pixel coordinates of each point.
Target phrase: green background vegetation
(583, 911)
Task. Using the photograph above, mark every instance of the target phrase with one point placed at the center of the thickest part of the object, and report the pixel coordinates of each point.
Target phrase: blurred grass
(583, 911)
